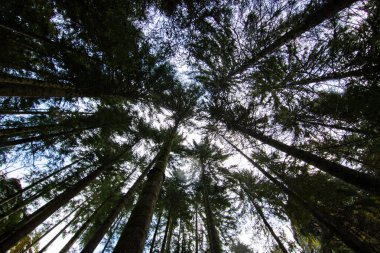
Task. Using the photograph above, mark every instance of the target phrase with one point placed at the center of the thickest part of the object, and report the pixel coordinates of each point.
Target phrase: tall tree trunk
(11, 132)
(213, 235)
(39, 181)
(316, 17)
(266, 223)
(135, 232)
(10, 238)
(170, 235)
(346, 236)
(335, 126)
(26, 87)
(329, 77)
(6, 143)
(196, 230)
(20, 205)
(50, 229)
(26, 112)
(361, 180)
(155, 232)
(82, 228)
(99, 233)
(168, 222)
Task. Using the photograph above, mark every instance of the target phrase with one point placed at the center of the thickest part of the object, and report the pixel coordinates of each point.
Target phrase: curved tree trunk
(361, 180)
(136, 230)
(316, 17)
(352, 241)
(99, 233)
(10, 238)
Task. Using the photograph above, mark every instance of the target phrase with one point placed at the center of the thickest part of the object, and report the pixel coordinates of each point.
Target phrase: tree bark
(99, 233)
(316, 17)
(10, 238)
(363, 181)
(348, 238)
(135, 232)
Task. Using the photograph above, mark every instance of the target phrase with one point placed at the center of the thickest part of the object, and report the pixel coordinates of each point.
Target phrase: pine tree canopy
(185, 126)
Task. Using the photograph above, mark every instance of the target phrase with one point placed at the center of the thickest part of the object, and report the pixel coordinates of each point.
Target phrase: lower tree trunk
(362, 181)
(352, 241)
(10, 238)
(133, 237)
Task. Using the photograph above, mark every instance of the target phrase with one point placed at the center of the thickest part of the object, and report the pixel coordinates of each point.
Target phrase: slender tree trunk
(10, 132)
(99, 233)
(352, 241)
(135, 232)
(170, 235)
(112, 229)
(316, 17)
(168, 222)
(361, 180)
(61, 231)
(26, 112)
(20, 205)
(214, 240)
(25, 87)
(266, 223)
(329, 77)
(335, 126)
(49, 230)
(196, 230)
(10, 238)
(84, 226)
(155, 232)
(3, 201)
(6, 143)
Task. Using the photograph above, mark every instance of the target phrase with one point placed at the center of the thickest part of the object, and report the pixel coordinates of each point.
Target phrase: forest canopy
(190, 126)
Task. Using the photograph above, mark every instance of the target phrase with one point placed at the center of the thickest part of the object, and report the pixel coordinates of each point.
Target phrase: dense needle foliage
(190, 126)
